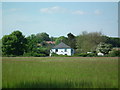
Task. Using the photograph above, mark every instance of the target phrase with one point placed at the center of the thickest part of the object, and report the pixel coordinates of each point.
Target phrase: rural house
(62, 49)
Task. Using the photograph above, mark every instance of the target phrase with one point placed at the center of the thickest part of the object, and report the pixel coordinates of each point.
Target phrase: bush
(8, 55)
(34, 54)
(114, 53)
(27, 54)
(85, 54)
(39, 55)
(91, 54)
(56, 55)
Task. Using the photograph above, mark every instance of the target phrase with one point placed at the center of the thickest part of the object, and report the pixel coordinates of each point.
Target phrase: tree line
(16, 44)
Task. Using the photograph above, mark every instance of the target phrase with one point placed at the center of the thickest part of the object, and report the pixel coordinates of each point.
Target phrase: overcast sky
(60, 18)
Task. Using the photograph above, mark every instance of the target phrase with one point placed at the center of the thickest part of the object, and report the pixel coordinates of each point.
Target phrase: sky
(60, 18)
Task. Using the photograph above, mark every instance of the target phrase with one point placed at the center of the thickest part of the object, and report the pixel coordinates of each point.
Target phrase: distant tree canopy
(14, 44)
(61, 39)
(114, 41)
(71, 40)
(31, 42)
(17, 44)
(42, 37)
(88, 41)
(104, 48)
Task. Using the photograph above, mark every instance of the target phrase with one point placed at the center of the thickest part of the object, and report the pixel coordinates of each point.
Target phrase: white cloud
(57, 9)
(54, 9)
(78, 12)
(97, 12)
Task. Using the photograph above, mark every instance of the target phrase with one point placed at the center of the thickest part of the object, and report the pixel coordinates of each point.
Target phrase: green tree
(71, 40)
(53, 38)
(104, 48)
(36, 45)
(88, 41)
(42, 37)
(14, 44)
(61, 39)
(31, 42)
(115, 41)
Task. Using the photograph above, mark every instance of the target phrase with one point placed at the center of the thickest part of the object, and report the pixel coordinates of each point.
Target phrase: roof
(62, 45)
(50, 42)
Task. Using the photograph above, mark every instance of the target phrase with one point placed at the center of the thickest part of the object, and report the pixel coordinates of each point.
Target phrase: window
(65, 50)
(56, 50)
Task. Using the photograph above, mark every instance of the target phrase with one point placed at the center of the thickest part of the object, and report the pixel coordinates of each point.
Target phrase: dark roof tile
(62, 45)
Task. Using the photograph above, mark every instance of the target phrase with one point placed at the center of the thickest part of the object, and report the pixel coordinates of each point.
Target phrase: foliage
(61, 39)
(85, 54)
(56, 55)
(88, 41)
(34, 49)
(71, 40)
(53, 38)
(114, 53)
(38, 52)
(59, 72)
(16, 44)
(13, 44)
(104, 48)
(42, 37)
(112, 40)
(31, 42)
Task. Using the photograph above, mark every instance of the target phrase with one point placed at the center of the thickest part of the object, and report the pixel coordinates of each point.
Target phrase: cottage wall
(62, 51)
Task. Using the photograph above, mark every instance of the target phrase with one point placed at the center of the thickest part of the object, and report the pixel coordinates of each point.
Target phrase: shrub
(56, 55)
(114, 53)
(91, 54)
(34, 54)
(39, 55)
(8, 55)
(85, 54)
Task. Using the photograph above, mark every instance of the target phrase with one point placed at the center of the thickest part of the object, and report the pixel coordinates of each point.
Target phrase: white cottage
(62, 49)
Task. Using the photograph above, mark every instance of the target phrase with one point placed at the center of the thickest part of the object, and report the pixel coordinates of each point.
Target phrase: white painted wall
(62, 52)
(100, 54)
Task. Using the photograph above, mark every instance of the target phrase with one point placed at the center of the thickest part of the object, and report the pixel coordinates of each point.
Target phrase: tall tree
(71, 40)
(104, 48)
(115, 41)
(31, 42)
(14, 44)
(89, 41)
(42, 37)
(61, 39)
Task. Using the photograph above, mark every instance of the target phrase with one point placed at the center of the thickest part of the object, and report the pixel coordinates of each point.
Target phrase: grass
(59, 72)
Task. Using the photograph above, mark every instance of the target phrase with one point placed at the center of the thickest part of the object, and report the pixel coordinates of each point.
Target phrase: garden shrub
(34, 54)
(56, 55)
(114, 53)
(85, 54)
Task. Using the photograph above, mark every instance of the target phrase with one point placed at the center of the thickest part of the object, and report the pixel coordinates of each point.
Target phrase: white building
(62, 49)
(100, 54)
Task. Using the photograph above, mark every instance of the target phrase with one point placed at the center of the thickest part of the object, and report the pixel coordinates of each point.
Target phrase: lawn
(59, 72)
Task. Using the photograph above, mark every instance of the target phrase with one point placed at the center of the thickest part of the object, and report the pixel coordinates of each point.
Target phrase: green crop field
(59, 72)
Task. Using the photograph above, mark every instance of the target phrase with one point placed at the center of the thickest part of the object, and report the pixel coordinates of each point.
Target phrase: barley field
(59, 72)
